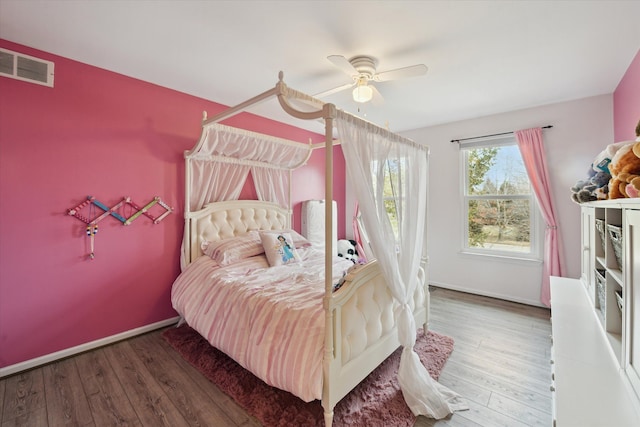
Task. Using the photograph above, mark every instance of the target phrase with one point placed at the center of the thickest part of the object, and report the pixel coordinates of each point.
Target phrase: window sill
(501, 257)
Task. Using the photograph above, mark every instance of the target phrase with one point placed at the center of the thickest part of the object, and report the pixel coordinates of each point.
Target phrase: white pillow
(279, 248)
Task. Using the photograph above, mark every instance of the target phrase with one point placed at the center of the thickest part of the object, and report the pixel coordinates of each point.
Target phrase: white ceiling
(484, 57)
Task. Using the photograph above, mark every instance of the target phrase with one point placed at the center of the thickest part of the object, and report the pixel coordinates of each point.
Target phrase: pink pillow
(279, 248)
(233, 249)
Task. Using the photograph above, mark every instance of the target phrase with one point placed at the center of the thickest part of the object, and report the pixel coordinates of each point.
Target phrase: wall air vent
(27, 68)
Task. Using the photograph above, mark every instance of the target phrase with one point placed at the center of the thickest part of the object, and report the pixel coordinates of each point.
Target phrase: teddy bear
(625, 177)
(633, 187)
(596, 186)
(347, 249)
(625, 170)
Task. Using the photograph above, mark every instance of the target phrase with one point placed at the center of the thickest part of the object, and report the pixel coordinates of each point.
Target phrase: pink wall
(626, 103)
(309, 184)
(107, 135)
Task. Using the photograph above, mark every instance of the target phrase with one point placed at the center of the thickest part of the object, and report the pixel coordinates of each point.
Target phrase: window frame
(386, 176)
(535, 230)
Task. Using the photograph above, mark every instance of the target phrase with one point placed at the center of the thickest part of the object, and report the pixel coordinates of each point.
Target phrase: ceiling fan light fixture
(362, 93)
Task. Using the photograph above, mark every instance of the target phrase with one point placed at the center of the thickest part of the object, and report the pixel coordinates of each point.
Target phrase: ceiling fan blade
(401, 73)
(342, 63)
(334, 90)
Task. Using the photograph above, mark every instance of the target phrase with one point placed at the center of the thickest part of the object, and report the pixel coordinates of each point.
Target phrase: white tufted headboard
(222, 220)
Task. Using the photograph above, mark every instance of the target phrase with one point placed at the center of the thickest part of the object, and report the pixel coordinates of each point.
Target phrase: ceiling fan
(362, 69)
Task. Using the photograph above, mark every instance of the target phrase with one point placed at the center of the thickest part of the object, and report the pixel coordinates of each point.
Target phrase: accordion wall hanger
(88, 213)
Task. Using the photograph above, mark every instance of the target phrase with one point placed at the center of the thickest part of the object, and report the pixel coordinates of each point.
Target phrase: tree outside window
(498, 200)
(391, 179)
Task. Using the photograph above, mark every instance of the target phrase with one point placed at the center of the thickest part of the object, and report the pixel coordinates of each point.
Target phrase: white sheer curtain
(368, 152)
(221, 160)
(215, 181)
(225, 141)
(210, 181)
(218, 166)
(272, 185)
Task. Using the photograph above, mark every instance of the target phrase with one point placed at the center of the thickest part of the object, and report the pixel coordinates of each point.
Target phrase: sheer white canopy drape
(272, 184)
(371, 153)
(226, 141)
(219, 164)
(211, 181)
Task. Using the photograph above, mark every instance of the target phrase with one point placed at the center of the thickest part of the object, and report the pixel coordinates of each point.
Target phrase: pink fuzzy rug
(376, 401)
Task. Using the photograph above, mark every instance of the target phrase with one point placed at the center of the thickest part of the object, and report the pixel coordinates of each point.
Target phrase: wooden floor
(500, 360)
(500, 364)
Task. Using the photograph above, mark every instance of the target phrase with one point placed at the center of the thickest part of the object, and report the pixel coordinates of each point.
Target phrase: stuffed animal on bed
(625, 170)
(347, 249)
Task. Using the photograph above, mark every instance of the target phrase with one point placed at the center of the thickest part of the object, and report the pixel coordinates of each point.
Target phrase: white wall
(581, 129)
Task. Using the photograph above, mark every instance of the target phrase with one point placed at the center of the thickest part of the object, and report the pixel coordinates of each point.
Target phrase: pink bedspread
(268, 319)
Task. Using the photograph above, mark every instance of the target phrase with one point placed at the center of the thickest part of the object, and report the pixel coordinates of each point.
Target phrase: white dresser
(595, 360)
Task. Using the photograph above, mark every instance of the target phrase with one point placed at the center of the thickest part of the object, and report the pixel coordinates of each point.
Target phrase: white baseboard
(487, 294)
(48, 358)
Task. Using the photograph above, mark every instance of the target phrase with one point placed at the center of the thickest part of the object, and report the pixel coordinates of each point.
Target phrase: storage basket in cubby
(600, 228)
(600, 288)
(619, 300)
(615, 233)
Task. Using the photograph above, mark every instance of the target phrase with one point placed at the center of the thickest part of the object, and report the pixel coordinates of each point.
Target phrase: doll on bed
(285, 250)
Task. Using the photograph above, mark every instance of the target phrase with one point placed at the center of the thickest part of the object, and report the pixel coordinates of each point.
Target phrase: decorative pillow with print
(279, 248)
(298, 239)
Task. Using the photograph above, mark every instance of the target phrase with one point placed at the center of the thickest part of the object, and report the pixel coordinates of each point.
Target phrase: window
(500, 215)
(391, 175)
(395, 170)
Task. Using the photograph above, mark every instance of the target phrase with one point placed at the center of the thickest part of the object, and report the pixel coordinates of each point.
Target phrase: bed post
(327, 399)
(328, 113)
(186, 239)
(185, 256)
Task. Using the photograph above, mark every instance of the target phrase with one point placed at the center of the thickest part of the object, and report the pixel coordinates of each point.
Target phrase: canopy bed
(288, 322)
